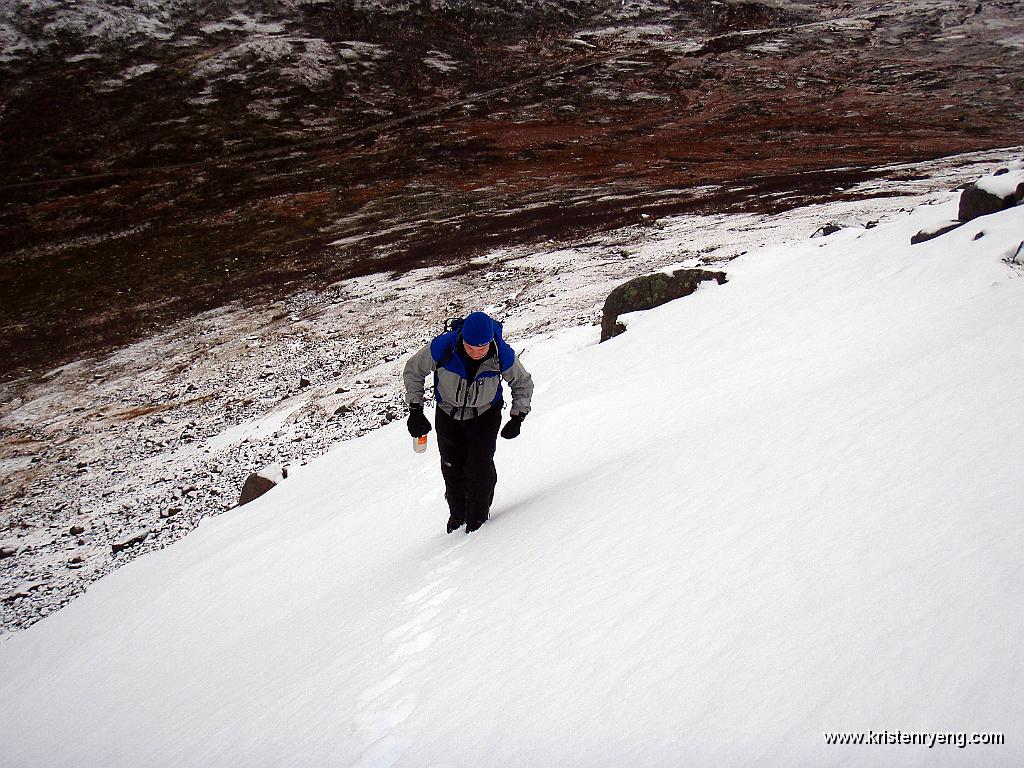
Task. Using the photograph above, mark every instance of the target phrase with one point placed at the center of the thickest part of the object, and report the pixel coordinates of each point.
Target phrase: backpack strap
(448, 353)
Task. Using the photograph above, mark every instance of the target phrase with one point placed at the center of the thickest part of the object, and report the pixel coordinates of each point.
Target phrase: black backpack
(454, 325)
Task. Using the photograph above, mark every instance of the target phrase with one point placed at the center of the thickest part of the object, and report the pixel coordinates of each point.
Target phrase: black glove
(513, 426)
(417, 423)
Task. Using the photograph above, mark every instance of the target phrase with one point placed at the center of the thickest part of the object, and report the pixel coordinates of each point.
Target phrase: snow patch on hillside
(780, 506)
(138, 420)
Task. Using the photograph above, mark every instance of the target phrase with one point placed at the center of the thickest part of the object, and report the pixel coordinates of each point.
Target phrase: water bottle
(419, 444)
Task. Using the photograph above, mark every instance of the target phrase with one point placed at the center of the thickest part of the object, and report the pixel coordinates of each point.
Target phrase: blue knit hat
(478, 329)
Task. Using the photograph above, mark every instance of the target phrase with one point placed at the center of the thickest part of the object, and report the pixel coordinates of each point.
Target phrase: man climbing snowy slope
(468, 364)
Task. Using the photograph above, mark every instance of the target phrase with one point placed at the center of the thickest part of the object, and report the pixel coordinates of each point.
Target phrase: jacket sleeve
(521, 383)
(417, 368)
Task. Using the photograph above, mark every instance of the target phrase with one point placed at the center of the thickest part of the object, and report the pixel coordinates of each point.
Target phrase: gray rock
(23, 590)
(975, 202)
(828, 229)
(929, 234)
(649, 291)
(130, 541)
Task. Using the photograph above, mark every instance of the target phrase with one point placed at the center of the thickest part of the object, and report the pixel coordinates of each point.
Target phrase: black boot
(474, 525)
(453, 523)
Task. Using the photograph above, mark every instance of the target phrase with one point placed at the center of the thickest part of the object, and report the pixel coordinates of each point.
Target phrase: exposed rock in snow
(934, 231)
(260, 482)
(990, 194)
(649, 291)
(827, 229)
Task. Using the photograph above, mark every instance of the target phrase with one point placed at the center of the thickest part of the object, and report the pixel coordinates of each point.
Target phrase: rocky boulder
(649, 291)
(827, 229)
(258, 483)
(991, 194)
(933, 232)
(130, 541)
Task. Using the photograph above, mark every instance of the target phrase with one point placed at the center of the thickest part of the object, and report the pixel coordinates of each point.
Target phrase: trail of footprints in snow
(385, 705)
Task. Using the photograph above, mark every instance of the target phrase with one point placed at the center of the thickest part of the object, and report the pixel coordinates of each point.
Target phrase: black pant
(467, 462)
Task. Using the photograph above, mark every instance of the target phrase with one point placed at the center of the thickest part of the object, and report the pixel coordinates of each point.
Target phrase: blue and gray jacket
(455, 395)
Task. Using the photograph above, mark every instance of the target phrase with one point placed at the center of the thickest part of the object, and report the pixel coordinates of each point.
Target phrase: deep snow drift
(785, 505)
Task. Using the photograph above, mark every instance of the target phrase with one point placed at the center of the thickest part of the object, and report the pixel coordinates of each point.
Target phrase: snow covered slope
(782, 506)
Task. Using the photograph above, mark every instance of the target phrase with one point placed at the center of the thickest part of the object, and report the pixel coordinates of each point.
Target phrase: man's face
(476, 353)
